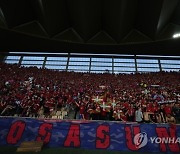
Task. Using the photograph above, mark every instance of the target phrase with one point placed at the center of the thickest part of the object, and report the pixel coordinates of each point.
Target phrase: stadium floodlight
(176, 35)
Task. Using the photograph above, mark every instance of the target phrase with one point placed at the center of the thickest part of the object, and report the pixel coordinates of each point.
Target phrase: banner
(107, 135)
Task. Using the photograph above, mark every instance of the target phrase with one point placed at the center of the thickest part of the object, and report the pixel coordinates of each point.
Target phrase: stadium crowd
(141, 97)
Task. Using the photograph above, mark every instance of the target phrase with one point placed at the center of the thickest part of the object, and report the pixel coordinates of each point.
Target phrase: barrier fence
(91, 134)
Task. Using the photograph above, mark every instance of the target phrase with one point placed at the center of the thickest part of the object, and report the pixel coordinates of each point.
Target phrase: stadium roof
(95, 26)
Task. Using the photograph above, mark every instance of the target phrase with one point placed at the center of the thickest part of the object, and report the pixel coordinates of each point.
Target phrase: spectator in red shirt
(167, 109)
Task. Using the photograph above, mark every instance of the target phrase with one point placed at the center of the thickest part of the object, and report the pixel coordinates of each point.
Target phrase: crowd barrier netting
(91, 134)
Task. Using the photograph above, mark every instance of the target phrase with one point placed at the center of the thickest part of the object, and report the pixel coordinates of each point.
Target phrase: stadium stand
(33, 92)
